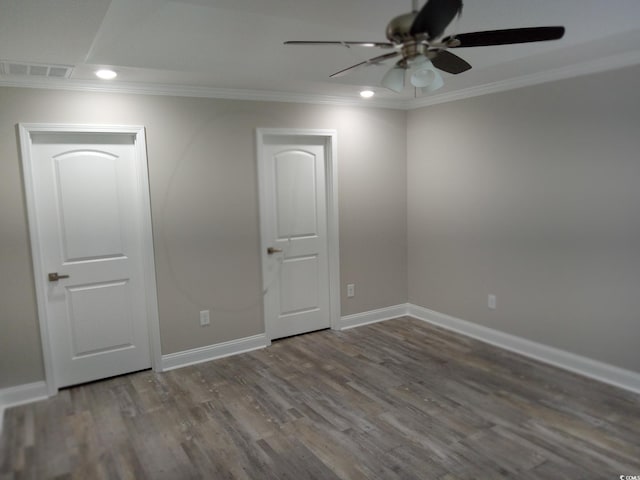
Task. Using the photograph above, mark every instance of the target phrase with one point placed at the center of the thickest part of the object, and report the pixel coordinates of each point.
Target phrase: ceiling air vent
(21, 69)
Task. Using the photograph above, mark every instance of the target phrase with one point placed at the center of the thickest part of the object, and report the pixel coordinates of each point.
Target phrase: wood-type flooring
(394, 400)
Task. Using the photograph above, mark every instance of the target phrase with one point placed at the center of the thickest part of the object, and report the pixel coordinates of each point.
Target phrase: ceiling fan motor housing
(413, 51)
(398, 28)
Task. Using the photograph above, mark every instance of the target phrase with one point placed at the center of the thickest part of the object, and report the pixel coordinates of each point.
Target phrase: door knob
(272, 250)
(54, 277)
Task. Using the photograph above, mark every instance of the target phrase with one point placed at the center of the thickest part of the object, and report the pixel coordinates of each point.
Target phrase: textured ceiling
(237, 44)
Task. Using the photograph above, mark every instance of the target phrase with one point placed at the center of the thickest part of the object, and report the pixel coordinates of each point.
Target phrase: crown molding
(603, 64)
(599, 65)
(199, 92)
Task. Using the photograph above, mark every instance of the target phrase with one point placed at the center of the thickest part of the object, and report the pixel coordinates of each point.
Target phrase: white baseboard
(211, 352)
(372, 316)
(21, 394)
(603, 372)
(32, 392)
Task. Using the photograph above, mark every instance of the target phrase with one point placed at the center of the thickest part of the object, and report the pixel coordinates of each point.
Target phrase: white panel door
(295, 262)
(88, 209)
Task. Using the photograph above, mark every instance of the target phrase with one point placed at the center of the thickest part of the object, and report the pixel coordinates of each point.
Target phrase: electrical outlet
(491, 302)
(351, 290)
(204, 318)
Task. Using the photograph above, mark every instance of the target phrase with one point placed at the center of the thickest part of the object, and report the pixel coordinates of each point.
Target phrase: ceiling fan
(415, 38)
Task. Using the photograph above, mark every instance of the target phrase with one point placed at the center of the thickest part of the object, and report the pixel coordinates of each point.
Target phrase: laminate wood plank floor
(394, 400)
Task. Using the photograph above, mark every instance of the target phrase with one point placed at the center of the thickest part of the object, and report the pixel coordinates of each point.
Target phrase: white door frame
(331, 180)
(140, 156)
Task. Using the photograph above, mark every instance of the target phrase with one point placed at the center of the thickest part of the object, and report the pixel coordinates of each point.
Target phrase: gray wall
(533, 195)
(205, 210)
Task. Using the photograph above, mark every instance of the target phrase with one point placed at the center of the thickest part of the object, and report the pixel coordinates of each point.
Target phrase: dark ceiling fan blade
(343, 44)
(371, 61)
(450, 63)
(505, 37)
(435, 16)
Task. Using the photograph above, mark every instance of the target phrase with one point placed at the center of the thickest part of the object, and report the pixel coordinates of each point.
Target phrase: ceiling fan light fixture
(426, 78)
(367, 93)
(394, 79)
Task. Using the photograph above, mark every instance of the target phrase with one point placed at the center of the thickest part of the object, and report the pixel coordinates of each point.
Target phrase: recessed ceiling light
(367, 93)
(106, 74)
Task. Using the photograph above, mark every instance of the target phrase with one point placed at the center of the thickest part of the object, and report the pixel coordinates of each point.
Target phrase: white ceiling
(236, 45)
